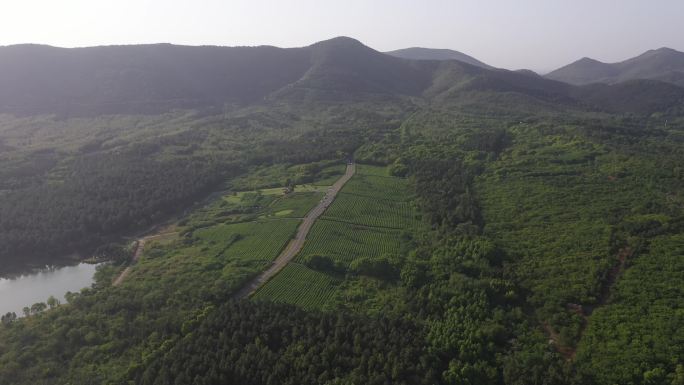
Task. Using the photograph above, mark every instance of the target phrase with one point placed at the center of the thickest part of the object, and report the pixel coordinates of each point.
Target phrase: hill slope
(39, 79)
(420, 53)
(151, 78)
(463, 84)
(344, 68)
(155, 78)
(663, 64)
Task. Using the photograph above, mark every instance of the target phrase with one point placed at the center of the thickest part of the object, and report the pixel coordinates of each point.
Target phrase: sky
(537, 34)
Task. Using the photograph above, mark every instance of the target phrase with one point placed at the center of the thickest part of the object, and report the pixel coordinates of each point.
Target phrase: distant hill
(418, 53)
(664, 64)
(464, 84)
(141, 78)
(152, 78)
(527, 72)
(637, 96)
(345, 68)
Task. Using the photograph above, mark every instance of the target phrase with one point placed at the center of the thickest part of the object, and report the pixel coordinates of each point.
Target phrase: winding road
(296, 244)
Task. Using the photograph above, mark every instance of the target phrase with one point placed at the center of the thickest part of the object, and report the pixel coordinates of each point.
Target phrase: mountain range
(664, 64)
(419, 53)
(153, 78)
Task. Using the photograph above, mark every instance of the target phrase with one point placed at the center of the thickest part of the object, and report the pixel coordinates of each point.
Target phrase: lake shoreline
(37, 286)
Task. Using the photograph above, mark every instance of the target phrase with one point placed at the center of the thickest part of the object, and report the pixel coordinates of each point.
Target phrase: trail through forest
(585, 311)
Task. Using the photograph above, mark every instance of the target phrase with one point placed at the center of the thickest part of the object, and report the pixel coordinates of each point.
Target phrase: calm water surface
(25, 290)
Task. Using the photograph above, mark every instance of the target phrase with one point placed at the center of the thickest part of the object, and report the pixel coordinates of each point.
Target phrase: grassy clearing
(295, 205)
(298, 285)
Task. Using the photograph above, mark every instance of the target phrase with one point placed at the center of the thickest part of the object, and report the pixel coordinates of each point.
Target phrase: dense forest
(58, 201)
(506, 229)
(473, 309)
(109, 164)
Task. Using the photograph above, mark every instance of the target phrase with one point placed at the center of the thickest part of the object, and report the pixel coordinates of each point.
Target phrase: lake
(27, 289)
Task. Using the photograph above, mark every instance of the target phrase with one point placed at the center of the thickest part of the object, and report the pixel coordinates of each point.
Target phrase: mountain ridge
(421, 53)
(664, 64)
(37, 79)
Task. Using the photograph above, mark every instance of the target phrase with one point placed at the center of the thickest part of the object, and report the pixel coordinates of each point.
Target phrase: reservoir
(27, 289)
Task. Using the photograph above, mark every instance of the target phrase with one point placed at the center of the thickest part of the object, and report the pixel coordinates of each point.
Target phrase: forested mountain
(154, 79)
(145, 78)
(157, 78)
(664, 64)
(420, 53)
(501, 227)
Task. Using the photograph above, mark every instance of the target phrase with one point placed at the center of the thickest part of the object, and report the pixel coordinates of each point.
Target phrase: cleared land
(296, 244)
(344, 242)
(299, 284)
(241, 231)
(260, 240)
(370, 218)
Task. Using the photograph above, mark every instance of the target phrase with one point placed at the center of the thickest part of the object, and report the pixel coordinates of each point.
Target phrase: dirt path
(297, 243)
(136, 256)
(612, 276)
(585, 311)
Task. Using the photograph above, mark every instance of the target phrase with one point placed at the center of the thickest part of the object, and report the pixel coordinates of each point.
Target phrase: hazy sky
(536, 34)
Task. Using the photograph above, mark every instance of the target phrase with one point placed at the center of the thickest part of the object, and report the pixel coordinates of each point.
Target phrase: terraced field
(378, 187)
(375, 212)
(372, 198)
(298, 285)
(254, 241)
(369, 218)
(344, 242)
(366, 169)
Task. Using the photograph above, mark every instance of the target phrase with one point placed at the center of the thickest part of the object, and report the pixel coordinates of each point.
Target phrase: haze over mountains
(153, 78)
(664, 64)
(419, 53)
(494, 227)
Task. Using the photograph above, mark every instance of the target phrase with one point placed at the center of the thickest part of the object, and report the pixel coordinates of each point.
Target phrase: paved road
(296, 244)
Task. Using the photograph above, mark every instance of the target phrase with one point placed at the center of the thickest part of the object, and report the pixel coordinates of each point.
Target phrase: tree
(678, 377)
(70, 297)
(38, 307)
(414, 274)
(52, 302)
(384, 267)
(8, 318)
(323, 263)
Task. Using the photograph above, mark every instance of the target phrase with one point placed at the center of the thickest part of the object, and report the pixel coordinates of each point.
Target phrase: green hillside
(664, 64)
(419, 53)
(500, 228)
